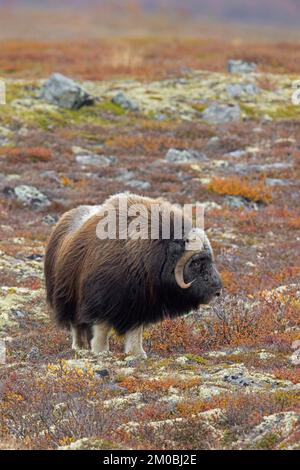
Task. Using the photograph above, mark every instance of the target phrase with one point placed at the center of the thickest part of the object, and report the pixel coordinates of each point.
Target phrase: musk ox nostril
(218, 293)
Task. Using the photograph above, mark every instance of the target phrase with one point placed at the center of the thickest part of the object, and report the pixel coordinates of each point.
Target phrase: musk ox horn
(179, 269)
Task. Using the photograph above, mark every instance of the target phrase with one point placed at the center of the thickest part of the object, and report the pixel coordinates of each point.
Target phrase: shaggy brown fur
(125, 283)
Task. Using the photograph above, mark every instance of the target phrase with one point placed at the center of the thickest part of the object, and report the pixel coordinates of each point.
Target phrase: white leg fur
(134, 342)
(100, 341)
(76, 338)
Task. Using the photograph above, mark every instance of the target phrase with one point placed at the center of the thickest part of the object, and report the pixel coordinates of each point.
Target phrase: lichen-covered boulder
(221, 113)
(241, 66)
(31, 196)
(65, 93)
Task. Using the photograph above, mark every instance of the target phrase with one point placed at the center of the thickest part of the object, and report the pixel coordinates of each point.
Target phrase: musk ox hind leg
(134, 342)
(80, 337)
(100, 339)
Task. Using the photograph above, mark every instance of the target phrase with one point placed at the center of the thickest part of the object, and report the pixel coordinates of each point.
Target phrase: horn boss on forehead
(95, 284)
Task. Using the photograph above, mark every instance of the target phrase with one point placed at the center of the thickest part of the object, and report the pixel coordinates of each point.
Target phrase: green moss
(287, 399)
(250, 110)
(289, 111)
(228, 438)
(15, 91)
(199, 107)
(198, 359)
(268, 442)
(110, 107)
(48, 117)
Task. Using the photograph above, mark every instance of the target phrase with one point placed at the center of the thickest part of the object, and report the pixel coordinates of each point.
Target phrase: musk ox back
(95, 283)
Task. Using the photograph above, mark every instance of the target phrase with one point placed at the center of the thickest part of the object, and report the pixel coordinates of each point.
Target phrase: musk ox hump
(81, 215)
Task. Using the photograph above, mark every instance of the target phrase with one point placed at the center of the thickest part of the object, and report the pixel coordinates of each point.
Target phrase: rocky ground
(224, 377)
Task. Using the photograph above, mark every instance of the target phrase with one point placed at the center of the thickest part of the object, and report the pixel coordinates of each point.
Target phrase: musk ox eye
(197, 262)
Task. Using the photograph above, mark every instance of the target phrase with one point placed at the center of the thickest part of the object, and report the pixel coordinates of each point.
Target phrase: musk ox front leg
(100, 338)
(134, 342)
(79, 337)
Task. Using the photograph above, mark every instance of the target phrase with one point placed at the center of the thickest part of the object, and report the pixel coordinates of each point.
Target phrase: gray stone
(236, 90)
(279, 424)
(160, 117)
(35, 257)
(184, 156)
(124, 102)
(50, 219)
(31, 196)
(113, 387)
(244, 168)
(3, 141)
(33, 354)
(237, 153)
(102, 373)
(65, 93)
(240, 66)
(238, 379)
(96, 160)
(51, 175)
(138, 184)
(221, 113)
(125, 175)
(213, 143)
(235, 201)
(18, 313)
(277, 182)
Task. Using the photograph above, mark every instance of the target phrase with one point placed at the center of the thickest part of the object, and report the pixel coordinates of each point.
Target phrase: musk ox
(95, 284)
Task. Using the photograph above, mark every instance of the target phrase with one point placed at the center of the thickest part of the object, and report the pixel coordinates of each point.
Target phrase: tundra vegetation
(224, 377)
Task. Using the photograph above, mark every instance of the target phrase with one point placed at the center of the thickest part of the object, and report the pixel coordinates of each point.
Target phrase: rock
(103, 373)
(295, 357)
(51, 175)
(236, 90)
(96, 160)
(221, 113)
(206, 392)
(210, 205)
(238, 379)
(213, 143)
(245, 168)
(137, 184)
(35, 257)
(235, 201)
(184, 156)
(91, 443)
(33, 354)
(277, 182)
(160, 117)
(125, 175)
(279, 425)
(240, 66)
(18, 313)
(121, 402)
(50, 219)
(241, 376)
(237, 153)
(264, 355)
(124, 102)
(31, 196)
(113, 387)
(65, 93)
